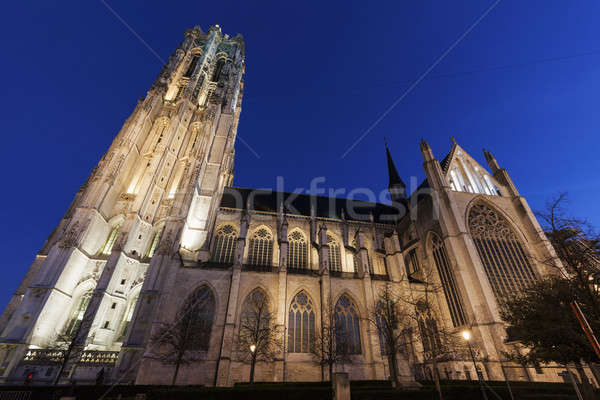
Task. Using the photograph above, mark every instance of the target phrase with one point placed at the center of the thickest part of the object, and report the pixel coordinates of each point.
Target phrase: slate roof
(301, 204)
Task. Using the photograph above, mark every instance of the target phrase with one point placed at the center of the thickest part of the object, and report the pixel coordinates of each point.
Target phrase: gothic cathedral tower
(146, 209)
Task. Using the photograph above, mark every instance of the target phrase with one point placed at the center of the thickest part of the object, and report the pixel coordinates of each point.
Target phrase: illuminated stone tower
(146, 208)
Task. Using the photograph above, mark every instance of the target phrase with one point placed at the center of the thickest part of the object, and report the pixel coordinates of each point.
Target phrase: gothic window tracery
(260, 251)
(196, 316)
(335, 258)
(347, 327)
(466, 177)
(297, 250)
(442, 263)
(224, 245)
(500, 251)
(301, 321)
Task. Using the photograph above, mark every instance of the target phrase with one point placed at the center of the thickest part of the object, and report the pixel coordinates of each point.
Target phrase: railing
(95, 357)
(15, 395)
(43, 356)
(88, 357)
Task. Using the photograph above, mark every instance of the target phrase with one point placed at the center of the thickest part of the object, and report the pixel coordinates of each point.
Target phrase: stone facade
(157, 219)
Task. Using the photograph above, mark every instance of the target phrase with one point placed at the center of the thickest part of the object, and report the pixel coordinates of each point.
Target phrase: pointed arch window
(335, 258)
(112, 238)
(347, 327)
(382, 329)
(447, 279)
(297, 250)
(430, 335)
(77, 314)
(411, 262)
(154, 243)
(255, 314)
(301, 321)
(260, 251)
(500, 251)
(218, 70)
(224, 245)
(355, 256)
(127, 317)
(191, 67)
(195, 318)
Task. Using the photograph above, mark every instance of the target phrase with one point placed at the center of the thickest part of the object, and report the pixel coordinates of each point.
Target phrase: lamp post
(252, 362)
(467, 336)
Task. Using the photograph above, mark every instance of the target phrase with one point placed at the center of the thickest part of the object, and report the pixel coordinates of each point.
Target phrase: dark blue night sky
(524, 83)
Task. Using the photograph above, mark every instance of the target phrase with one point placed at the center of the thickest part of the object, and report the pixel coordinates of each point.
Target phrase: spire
(397, 188)
(392, 171)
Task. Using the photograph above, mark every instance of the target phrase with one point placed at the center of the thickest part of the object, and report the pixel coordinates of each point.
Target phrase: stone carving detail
(70, 236)
(486, 223)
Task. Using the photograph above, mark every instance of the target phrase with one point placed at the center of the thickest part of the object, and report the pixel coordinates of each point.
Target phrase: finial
(453, 139)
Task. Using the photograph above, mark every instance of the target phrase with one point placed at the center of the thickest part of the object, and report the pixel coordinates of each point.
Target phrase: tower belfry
(152, 197)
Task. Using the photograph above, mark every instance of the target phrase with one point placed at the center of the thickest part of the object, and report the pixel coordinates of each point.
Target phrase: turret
(500, 174)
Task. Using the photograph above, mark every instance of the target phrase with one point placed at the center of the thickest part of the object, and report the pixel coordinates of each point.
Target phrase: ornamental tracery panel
(500, 251)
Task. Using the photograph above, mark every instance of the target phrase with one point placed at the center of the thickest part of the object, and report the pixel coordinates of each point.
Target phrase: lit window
(301, 319)
(112, 238)
(335, 259)
(154, 243)
(77, 314)
(446, 274)
(347, 327)
(224, 245)
(261, 248)
(500, 251)
(297, 250)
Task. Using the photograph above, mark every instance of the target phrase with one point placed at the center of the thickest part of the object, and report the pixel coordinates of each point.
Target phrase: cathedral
(158, 223)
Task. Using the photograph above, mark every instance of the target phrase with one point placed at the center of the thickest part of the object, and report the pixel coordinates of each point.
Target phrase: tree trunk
(436, 379)
(177, 364)
(175, 374)
(331, 372)
(393, 370)
(253, 362)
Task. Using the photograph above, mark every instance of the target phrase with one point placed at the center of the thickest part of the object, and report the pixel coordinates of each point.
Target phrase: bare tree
(330, 346)
(388, 316)
(439, 342)
(181, 342)
(66, 351)
(577, 247)
(576, 264)
(258, 339)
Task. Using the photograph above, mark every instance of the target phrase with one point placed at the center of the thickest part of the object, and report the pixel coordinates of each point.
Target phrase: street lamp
(252, 361)
(467, 336)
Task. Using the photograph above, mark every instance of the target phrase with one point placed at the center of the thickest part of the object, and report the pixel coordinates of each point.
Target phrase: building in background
(157, 223)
